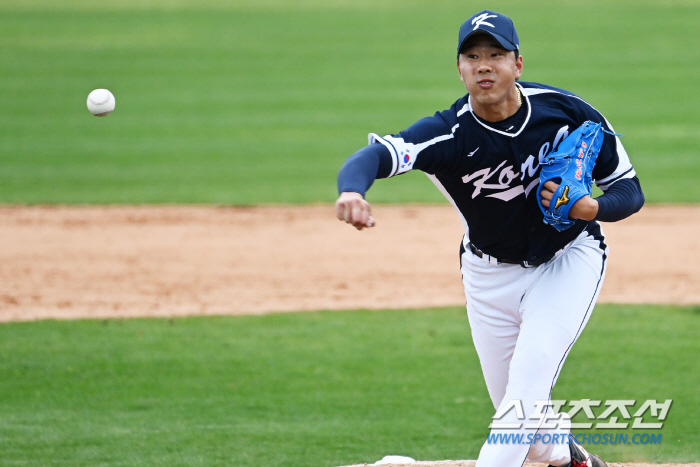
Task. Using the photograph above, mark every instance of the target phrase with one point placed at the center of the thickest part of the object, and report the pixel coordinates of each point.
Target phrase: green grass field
(242, 102)
(311, 389)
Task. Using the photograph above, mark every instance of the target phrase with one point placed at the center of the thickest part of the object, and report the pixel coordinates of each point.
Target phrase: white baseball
(100, 102)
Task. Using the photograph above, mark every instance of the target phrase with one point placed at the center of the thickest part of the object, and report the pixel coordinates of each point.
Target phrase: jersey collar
(504, 133)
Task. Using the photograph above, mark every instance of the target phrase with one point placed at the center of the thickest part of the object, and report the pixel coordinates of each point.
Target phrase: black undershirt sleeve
(622, 199)
(361, 169)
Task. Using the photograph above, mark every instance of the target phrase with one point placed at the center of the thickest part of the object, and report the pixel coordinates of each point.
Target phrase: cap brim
(506, 44)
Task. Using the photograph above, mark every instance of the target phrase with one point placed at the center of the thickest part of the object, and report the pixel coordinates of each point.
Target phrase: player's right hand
(353, 209)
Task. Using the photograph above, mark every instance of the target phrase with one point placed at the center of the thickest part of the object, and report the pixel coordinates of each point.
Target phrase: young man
(530, 288)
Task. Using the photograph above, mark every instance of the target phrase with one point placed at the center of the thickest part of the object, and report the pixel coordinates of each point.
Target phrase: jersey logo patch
(472, 153)
(564, 199)
(484, 180)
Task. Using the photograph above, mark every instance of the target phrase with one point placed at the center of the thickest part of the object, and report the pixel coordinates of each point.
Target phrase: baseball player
(530, 287)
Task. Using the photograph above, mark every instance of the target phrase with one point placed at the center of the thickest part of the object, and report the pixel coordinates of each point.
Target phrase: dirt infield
(99, 262)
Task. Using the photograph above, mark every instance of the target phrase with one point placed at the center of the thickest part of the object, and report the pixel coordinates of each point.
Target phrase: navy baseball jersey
(490, 171)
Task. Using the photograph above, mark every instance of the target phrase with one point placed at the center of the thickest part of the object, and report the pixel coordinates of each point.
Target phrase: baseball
(100, 102)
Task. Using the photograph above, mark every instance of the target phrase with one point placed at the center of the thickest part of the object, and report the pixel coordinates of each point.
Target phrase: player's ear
(519, 66)
(459, 70)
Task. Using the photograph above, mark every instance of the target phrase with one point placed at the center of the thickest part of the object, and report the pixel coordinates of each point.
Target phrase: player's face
(489, 72)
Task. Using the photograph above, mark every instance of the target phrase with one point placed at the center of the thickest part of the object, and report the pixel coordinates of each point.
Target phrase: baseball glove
(571, 166)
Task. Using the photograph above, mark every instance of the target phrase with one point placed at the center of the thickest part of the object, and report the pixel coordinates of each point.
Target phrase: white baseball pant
(524, 322)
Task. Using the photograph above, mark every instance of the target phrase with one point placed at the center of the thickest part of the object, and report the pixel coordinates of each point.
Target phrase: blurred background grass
(313, 389)
(241, 102)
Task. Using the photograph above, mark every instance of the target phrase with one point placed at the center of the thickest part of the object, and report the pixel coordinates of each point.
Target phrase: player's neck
(500, 110)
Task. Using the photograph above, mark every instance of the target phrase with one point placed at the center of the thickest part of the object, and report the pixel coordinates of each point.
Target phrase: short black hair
(516, 52)
(464, 46)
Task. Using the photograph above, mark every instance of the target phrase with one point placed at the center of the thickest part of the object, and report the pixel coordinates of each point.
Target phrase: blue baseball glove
(571, 166)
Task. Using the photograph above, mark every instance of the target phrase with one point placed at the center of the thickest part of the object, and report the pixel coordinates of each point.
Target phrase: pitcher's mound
(527, 464)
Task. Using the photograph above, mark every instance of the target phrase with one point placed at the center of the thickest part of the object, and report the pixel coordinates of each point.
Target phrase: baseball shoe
(581, 458)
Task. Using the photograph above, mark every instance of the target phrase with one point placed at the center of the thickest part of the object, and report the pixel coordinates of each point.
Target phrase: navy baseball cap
(498, 26)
